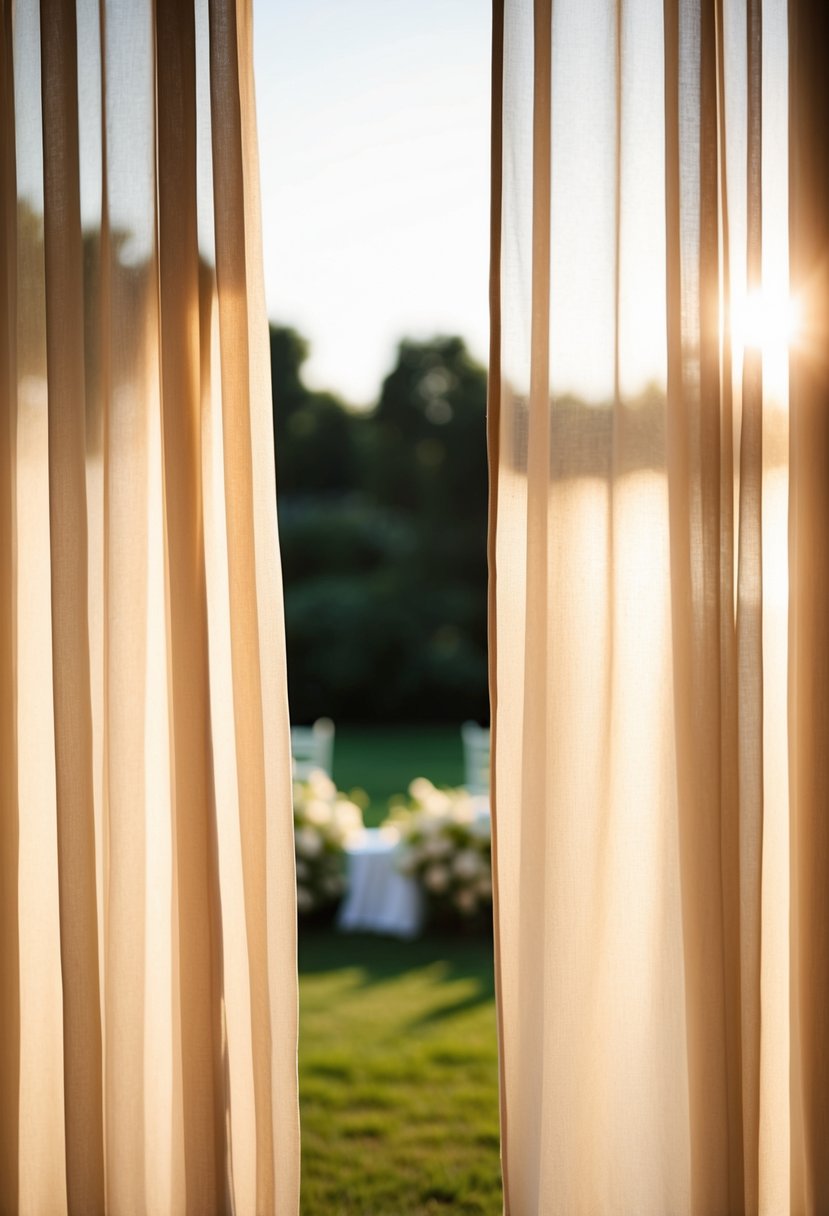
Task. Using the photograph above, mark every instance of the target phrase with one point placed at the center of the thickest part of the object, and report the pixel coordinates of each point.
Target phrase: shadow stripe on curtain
(199, 948)
(83, 1084)
(702, 559)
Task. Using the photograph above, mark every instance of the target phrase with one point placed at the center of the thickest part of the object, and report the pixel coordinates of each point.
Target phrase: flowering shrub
(445, 843)
(324, 820)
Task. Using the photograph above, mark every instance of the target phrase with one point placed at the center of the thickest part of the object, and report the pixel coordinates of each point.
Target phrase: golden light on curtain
(660, 796)
(147, 896)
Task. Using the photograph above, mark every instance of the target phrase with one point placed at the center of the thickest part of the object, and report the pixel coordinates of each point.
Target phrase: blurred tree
(383, 534)
(313, 432)
(430, 427)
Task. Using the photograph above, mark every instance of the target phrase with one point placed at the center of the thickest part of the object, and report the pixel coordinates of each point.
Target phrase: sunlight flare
(768, 321)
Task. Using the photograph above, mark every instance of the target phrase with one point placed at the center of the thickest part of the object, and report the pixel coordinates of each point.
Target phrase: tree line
(382, 524)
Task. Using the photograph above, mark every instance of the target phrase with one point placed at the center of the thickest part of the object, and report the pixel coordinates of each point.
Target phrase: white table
(379, 898)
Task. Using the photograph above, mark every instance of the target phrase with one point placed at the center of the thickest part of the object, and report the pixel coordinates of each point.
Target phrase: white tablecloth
(380, 899)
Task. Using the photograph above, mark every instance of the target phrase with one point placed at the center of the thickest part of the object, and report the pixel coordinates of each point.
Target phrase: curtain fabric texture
(147, 896)
(658, 651)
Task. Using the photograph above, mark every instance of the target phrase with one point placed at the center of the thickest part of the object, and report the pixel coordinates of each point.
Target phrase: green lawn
(398, 1056)
(383, 760)
(398, 1076)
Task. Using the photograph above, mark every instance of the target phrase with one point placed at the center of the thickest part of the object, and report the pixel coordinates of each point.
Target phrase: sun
(765, 321)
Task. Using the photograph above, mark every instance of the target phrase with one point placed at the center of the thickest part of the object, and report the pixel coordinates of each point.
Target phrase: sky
(374, 144)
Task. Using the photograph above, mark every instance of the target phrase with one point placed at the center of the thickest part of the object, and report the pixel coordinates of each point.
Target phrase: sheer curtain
(660, 702)
(147, 898)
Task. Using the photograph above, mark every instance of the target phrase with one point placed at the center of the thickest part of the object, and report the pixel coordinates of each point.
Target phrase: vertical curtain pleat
(77, 885)
(700, 879)
(244, 610)
(702, 558)
(148, 1009)
(125, 544)
(809, 607)
(9, 807)
(527, 1063)
(493, 409)
(195, 866)
(279, 846)
(749, 633)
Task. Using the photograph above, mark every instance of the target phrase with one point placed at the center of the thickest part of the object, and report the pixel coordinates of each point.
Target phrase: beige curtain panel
(147, 899)
(660, 596)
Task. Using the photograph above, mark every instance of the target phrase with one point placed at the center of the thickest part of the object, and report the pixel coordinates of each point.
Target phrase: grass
(398, 1076)
(383, 760)
(398, 1056)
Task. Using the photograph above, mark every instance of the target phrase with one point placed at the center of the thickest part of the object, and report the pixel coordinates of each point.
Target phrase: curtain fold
(9, 809)
(809, 605)
(148, 996)
(657, 671)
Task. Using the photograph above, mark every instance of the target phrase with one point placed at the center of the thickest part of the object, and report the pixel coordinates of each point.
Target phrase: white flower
(421, 789)
(318, 812)
(430, 802)
(437, 879)
(308, 842)
(467, 865)
(446, 838)
(463, 810)
(438, 805)
(304, 899)
(437, 847)
(333, 885)
(431, 825)
(320, 785)
(466, 901)
(348, 817)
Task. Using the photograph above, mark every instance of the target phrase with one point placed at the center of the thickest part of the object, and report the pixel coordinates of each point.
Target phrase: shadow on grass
(374, 960)
(398, 1075)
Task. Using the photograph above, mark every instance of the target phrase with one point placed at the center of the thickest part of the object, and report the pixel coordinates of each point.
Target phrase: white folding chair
(476, 757)
(312, 747)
